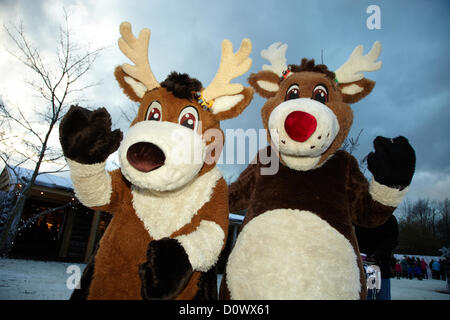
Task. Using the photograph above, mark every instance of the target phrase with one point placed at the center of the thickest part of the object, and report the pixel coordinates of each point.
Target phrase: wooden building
(67, 234)
(70, 233)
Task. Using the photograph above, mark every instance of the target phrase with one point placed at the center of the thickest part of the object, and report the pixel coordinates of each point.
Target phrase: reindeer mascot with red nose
(168, 200)
(297, 240)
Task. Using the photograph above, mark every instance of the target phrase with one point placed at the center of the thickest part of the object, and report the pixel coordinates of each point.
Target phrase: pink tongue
(145, 156)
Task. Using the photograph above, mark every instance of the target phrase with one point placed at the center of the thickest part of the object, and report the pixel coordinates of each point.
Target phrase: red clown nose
(300, 125)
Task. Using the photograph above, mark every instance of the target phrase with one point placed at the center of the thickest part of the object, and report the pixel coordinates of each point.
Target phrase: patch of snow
(34, 280)
(414, 289)
(44, 179)
(41, 280)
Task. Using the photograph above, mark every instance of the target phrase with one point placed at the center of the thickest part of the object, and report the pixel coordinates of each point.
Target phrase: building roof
(45, 179)
(57, 182)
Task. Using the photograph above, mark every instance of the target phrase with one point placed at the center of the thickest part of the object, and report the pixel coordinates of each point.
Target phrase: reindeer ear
(354, 91)
(266, 83)
(227, 107)
(133, 88)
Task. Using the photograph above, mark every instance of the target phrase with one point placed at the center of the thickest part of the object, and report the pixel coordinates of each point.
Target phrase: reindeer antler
(352, 69)
(137, 51)
(232, 65)
(276, 55)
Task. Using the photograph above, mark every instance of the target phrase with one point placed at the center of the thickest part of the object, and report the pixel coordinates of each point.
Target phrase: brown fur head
(176, 134)
(307, 115)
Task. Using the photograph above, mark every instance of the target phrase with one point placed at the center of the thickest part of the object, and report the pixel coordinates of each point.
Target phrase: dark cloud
(412, 90)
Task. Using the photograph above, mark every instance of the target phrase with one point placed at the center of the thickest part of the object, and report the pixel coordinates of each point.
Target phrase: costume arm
(392, 165)
(370, 204)
(204, 244)
(94, 186)
(239, 192)
(171, 261)
(389, 242)
(87, 140)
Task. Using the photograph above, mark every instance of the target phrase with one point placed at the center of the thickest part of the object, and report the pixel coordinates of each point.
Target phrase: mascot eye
(320, 94)
(189, 118)
(154, 111)
(292, 93)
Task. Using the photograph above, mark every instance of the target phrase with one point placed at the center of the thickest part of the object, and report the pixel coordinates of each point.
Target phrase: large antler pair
(232, 65)
(350, 71)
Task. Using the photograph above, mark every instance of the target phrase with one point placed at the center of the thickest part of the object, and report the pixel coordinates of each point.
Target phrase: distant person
(446, 268)
(417, 269)
(423, 265)
(398, 270)
(442, 269)
(435, 269)
(404, 265)
(410, 268)
(379, 244)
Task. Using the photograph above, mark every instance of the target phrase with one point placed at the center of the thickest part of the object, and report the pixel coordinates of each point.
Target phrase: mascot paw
(393, 162)
(167, 270)
(86, 136)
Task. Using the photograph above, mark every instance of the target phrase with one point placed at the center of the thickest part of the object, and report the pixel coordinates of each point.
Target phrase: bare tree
(424, 226)
(351, 144)
(57, 84)
(128, 113)
(443, 224)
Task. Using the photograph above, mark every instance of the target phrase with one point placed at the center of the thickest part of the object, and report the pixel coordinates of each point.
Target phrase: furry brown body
(297, 240)
(337, 192)
(168, 199)
(123, 247)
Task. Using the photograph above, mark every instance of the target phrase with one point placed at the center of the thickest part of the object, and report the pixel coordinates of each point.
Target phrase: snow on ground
(414, 289)
(40, 280)
(35, 280)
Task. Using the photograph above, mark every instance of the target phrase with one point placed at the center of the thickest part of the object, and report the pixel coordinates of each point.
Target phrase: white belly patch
(165, 213)
(292, 254)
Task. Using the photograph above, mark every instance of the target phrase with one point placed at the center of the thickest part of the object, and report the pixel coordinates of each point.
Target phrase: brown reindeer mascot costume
(168, 200)
(297, 240)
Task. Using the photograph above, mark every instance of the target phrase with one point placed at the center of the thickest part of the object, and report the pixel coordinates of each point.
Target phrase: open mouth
(145, 156)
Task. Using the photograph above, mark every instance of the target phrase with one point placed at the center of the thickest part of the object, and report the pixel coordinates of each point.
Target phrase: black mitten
(167, 270)
(393, 162)
(86, 136)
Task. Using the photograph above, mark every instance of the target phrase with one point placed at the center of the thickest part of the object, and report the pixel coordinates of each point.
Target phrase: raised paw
(86, 136)
(393, 162)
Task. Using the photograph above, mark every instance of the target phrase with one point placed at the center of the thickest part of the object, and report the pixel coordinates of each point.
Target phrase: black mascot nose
(145, 156)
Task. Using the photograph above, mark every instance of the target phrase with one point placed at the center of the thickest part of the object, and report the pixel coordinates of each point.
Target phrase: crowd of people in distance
(411, 267)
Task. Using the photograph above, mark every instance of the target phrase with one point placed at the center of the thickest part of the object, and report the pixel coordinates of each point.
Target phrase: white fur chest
(292, 254)
(165, 213)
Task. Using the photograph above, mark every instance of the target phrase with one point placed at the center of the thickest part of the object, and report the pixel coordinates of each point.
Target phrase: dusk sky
(411, 96)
